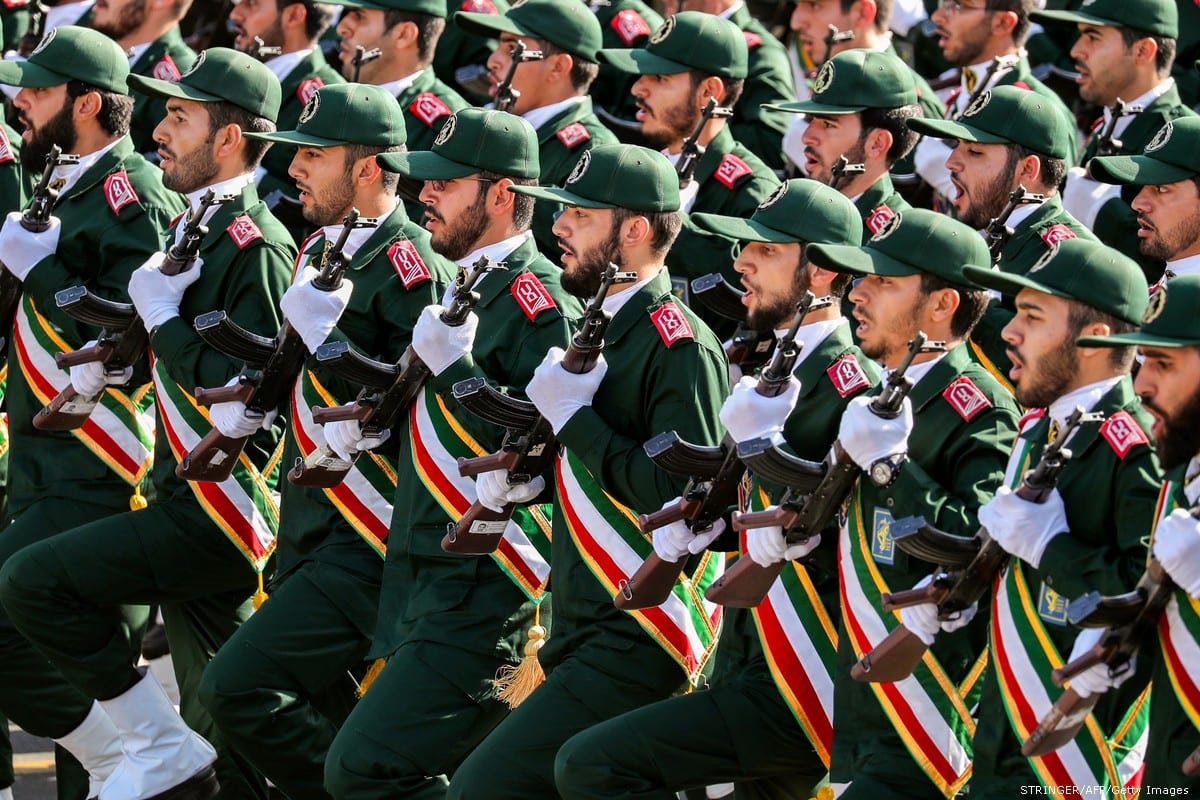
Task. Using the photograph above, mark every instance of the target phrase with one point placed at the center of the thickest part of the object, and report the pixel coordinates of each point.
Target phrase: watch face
(881, 472)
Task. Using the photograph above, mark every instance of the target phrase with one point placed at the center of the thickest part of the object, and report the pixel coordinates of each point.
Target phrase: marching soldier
(278, 688)
(553, 90)
(448, 623)
(460, 60)
(625, 23)
(115, 209)
(939, 459)
(198, 549)
(769, 725)
(662, 369)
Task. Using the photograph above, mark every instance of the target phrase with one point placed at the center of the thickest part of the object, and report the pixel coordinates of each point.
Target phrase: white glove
(90, 379)
(439, 345)
(687, 196)
(494, 490)
(231, 420)
(1096, 679)
(558, 394)
(311, 311)
(157, 296)
(21, 250)
(767, 546)
(676, 541)
(345, 438)
(747, 415)
(1083, 197)
(923, 620)
(1022, 528)
(866, 438)
(1177, 548)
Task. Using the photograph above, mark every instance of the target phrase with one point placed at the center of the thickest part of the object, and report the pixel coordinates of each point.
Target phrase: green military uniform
(166, 58)
(768, 82)
(625, 23)
(426, 103)
(457, 51)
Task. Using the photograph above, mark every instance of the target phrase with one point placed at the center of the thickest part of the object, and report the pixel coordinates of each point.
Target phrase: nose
(1141, 203)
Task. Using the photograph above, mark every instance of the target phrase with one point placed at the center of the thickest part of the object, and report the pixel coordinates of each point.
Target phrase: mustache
(429, 212)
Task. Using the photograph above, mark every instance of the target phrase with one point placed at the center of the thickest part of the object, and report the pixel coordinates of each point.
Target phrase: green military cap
(67, 53)
(1152, 16)
(854, 81)
(221, 75)
(1005, 115)
(564, 23)
(689, 40)
(1170, 319)
(913, 242)
(436, 8)
(472, 140)
(799, 210)
(616, 175)
(1081, 270)
(345, 113)
(1169, 157)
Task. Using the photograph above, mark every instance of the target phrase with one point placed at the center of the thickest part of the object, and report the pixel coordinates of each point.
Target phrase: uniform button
(890, 502)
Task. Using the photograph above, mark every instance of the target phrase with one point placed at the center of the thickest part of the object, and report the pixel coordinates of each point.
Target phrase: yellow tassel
(138, 501)
(260, 594)
(824, 793)
(372, 673)
(514, 684)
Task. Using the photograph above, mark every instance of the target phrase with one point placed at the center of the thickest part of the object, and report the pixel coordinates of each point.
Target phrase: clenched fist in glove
(923, 620)
(1096, 679)
(21, 250)
(557, 393)
(92, 378)
(747, 415)
(232, 420)
(676, 541)
(156, 295)
(314, 312)
(867, 437)
(439, 345)
(1022, 528)
(1177, 548)
(345, 438)
(494, 491)
(767, 546)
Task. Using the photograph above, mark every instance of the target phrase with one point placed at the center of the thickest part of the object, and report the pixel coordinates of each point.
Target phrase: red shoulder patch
(672, 325)
(531, 295)
(165, 69)
(879, 217)
(408, 263)
(1123, 433)
(753, 40)
(429, 108)
(243, 231)
(308, 88)
(1022, 85)
(6, 153)
(118, 191)
(1057, 233)
(15, 3)
(480, 7)
(731, 170)
(573, 135)
(1029, 418)
(847, 375)
(966, 398)
(630, 26)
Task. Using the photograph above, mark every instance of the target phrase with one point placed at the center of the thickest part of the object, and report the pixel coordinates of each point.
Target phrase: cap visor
(640, 62)
(424, 165)
(556, 195)
(858, 260)
(296, 138)
(1073, 17)
(1139, 339)
(1006, 282)
(816, 109)
(157, 88)
(946, 129)
(1141, 170)
(22, 73)
(488, 26)
(359, 4)
(744, 230)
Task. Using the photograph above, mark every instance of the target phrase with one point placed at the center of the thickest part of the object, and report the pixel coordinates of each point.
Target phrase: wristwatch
(883, 473)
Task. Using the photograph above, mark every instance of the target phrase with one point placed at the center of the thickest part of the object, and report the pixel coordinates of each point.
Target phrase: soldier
(199, 549)
(662, 369)
(278, 689)
(553, 90)
(284, 35)
(940, 459)
(625, 23)
(148, 31)
(768, 725)
(115, 207)
(448, 623)
(1167, 204)
(460, 60)
(692, 58)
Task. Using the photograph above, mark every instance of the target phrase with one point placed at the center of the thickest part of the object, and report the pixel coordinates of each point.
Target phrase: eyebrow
(1029, 305)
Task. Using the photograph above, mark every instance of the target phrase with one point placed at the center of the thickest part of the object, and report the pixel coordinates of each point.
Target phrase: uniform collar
(283, 64)
(357, 238)
(917, 371)
(1185, 266)
(733, 9)
(615, 301)
(71, 173)
(1145, 100)
(811, 335)
(537, 117)
(398, 87)
(496, 252)
(1085, 397)
(233, 186)
(67, 13)
(137, 51)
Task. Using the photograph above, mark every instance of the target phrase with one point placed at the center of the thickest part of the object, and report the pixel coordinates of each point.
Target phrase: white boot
(96, 745)
(164, 759)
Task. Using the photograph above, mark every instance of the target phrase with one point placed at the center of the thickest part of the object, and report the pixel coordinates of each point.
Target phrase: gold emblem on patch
(824, 78)
(447, 131)
(978, 104)
(664, 30)
(1158, 301)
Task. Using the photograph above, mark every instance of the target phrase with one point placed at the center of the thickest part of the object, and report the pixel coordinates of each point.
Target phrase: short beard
(678, 122)
(900, 331)
(193, 171)
(972, 47)
(1180, 440)
(987, 205)
(782, 309)
(1055, 372)
(331, 209)
(129, 20)
(1165, 245)
(271, 37)
(458, 239)
(584, 280)
(855, 155)
(58, 130)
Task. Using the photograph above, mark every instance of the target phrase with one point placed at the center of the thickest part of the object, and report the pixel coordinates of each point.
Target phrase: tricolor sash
(364, 497)
(120, 431)
(610, 543)
(3, 415)
(244, 505)
(1179, 631)
(438, 441)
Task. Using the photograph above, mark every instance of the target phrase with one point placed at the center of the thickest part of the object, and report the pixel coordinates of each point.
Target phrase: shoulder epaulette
(753, 40)
(671, 324)
(407, 262)
(480, 7)
(847, 375)
(573, 135)
(6, 151)
(1030, 418)
(1058, 232)
(165, 69)
(879, 217)
(243, 231)
(118, 191)
(1022, 85)
(966, 398)
(630, 26)
(1122, 433)
(731, 170)
(531, 295)
(429, 108)
(307, 89)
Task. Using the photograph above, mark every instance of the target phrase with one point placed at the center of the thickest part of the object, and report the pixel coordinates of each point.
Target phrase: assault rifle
(834, 36)
(506, 96)
(843, 170)
(262, 51)
(389, 389)
(999, 66)
(748, 349)
(362, 56)
(815, 491)
(529, 445)
(998, 231)
(714, 474)
(274, 364)
(123, 338)
(1107, 144)
(37, 28)
(968, 566)
(689, 155)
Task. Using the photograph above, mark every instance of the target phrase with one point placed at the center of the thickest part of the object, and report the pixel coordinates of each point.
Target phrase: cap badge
(773, 198)
(978, 104)
(581, 167)
(46, 40)
(1046, 258)
(195, 64)
(1161, 138)
(310, 108)
(889, 227)
(447, 131)
(1158, 301)
(664, 30)
(824, 78)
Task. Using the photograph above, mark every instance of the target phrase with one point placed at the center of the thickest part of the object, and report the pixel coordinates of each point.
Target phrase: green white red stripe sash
(610, 543)
(3, 415)
(120, 431)
(243, 505)
(1179, 631)
(438, 441)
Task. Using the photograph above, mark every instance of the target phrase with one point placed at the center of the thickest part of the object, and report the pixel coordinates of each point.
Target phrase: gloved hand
(494, 490)
(439, 345)
(867, 438)
(558, 394)
(676, 541)
(345, 438)
(231, 420)
(747, 415)
(923, 620)
(313, 312)
(1177, 548)
(687, 195)
(90, 379)
(1022, 528)
(1096, 679)
(21, 250)
(767, 546)
(157, 296)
